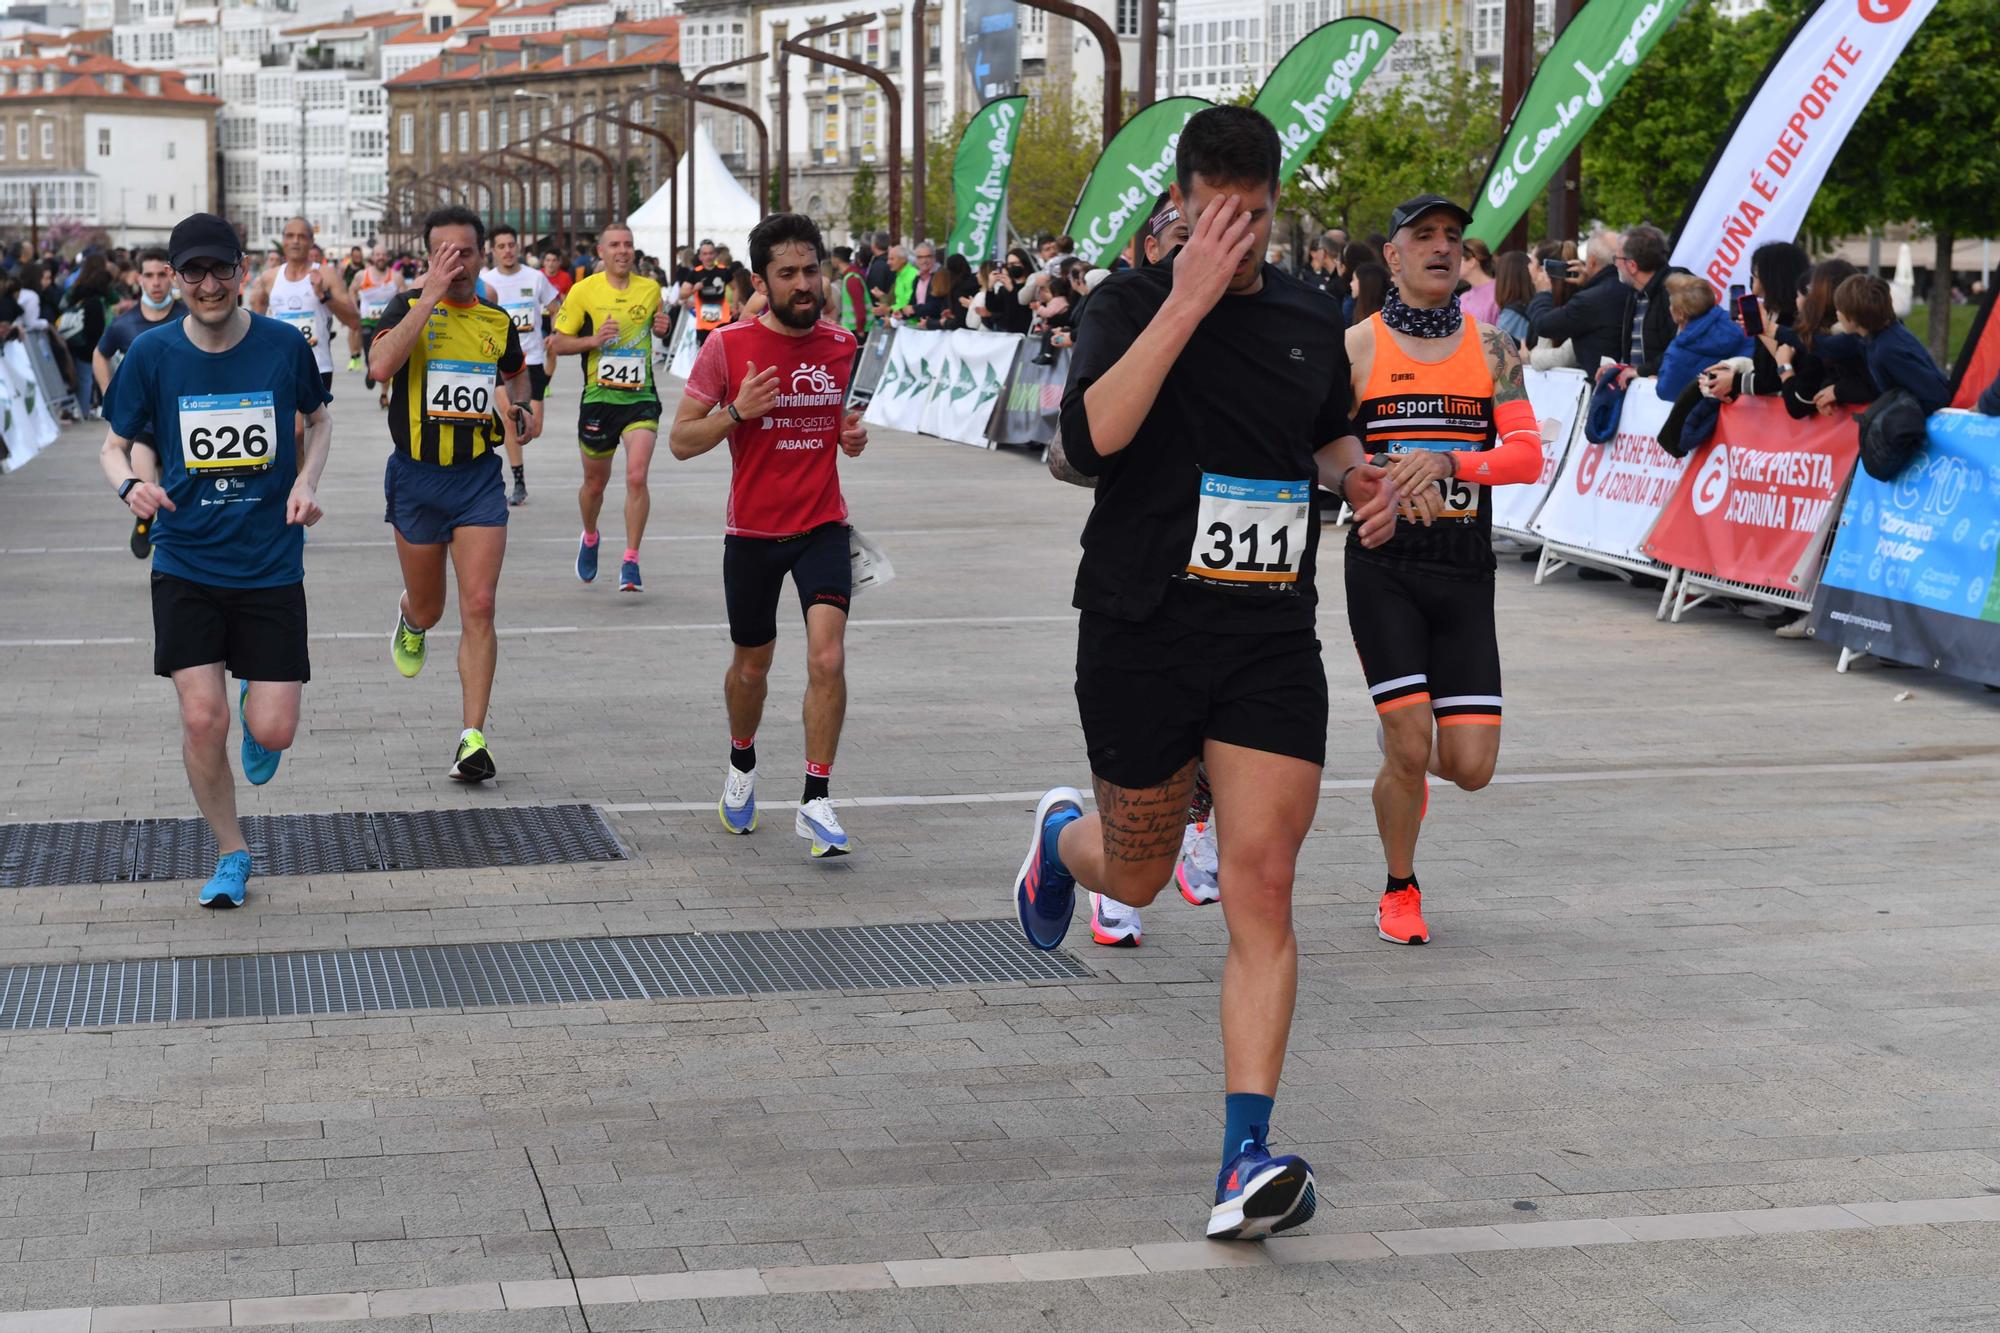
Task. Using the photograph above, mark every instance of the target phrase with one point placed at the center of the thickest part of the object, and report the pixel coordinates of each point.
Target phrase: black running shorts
(600, 426)
(753, 578)
(1150, 692)
(538, 379)
(1425, 639)
(258, 633)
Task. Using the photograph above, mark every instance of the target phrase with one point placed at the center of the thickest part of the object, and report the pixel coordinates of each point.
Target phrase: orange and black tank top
(1444, 405)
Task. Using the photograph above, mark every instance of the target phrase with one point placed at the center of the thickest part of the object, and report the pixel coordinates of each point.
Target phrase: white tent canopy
(727, 211)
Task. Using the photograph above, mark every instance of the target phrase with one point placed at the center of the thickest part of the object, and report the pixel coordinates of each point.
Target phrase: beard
(796, 315)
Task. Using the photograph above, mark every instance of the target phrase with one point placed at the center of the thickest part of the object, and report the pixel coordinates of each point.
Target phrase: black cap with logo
(1408, 212)
(203, 236)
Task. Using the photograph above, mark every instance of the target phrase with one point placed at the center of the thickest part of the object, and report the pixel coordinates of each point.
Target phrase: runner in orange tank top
(1441, 403)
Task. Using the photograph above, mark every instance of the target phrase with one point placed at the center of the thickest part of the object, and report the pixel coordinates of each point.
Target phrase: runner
(442, 351)
(705, 291)
(371, 289)
(529, 299)
(1207, 394)
(157, 305)
(220, 389)
(1440, 399)
(305, 295)
(786, 513)
(620, 402)
(350, 269)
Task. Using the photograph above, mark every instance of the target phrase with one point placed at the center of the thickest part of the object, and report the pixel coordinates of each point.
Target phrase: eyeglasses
(201, 273)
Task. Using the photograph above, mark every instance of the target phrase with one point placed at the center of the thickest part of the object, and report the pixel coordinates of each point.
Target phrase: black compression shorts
(538, 377)
(1425, 639)
(258, 633)
(1150, 692)
(753, 578)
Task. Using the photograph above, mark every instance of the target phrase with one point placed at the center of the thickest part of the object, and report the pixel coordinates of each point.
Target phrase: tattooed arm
(1062, 469)
(1516, 455)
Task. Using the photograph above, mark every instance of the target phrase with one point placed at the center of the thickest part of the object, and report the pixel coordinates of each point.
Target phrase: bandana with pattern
(1419, 322)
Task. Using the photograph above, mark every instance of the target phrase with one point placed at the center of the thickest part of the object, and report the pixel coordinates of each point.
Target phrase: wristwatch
(734, 415)
(125, 488)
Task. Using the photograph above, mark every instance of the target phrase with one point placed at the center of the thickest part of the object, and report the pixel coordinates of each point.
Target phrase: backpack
(1892, 431)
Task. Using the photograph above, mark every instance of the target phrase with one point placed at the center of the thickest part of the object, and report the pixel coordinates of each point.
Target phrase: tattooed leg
(1127, 848)
(1202, 803)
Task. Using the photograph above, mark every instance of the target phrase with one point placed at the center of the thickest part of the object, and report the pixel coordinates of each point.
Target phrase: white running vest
(294, 302)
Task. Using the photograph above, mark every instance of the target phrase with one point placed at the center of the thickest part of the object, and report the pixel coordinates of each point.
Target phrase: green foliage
(864, 202)
(1060, 137)
(938, 154)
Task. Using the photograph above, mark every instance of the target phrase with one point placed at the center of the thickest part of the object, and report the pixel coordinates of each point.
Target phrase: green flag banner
(979, 177)
(1132, 171)
(1316, 80)
(1592, 59)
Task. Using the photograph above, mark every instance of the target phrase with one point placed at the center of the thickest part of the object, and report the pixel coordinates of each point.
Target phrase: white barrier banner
(1606, 497)
(943, 371)
(681, 364)
(26, 423)
(1557, 397)
(961, 406)
(905, 387)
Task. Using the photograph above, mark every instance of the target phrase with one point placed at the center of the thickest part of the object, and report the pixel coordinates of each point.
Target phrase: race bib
(1461, 497)
(458, 390)
(711, 313)
(621, 368)
(522, 317)
(306, 322)
(374, 300)
(228, 432)
(1250, 533)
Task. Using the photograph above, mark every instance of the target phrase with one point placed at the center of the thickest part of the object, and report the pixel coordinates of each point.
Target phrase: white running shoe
(1198, 871)
(817, 823)
(738, 806)
(1113, 923)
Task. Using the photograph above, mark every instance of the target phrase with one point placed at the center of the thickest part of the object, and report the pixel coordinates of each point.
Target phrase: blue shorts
(426, 501)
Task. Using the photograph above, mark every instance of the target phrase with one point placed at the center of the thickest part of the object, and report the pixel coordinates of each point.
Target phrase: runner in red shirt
(775, 387)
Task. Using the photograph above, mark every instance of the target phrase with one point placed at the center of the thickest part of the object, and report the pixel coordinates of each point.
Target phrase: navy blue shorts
(426, 501)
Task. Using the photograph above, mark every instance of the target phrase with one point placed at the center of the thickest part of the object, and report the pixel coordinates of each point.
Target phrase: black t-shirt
(710, 282)
(1258, 389)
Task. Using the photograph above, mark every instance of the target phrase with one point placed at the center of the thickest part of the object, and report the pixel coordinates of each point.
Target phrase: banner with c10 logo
(1757, 502)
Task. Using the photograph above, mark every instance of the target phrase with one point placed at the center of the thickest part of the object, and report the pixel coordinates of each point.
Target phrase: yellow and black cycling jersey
(442, 402)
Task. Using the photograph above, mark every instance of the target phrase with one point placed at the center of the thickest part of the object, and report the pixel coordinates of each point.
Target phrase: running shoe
(1112, 923)
(1044, 896)
(519, 495)
(738, 806)
(817, 822)
(230, 882)
(474, 762)
(1257, 1195)
(406, 647)
(142, 537)
(1399, 917)
(1198, 869)
(354, 364)
(586, 560)
(628, 576)
(259, 764)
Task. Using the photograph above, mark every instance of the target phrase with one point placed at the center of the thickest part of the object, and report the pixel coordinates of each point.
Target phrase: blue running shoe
(1044, 896)
(259, 764)
(229, 884)
(586, 560)
(628, 576)
(738, 806)
(1257, 1195)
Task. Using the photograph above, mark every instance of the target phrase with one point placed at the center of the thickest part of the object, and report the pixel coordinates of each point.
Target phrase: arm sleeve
(1516, 458)
(708, 381)
(1102, 340)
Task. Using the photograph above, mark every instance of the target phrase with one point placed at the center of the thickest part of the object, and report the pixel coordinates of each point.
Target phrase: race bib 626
(228, 432)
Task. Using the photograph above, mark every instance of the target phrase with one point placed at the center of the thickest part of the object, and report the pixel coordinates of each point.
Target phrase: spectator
(1371, 286)
(1006, 312)
(1896, 358)
(1779, 272)
(894, 298)
(927, 292)
(1045, 249)
(1595, 319)
(958, 288)
(1649, 326)
(1353, 256)
(1477, 298)
(1513, 288)
(876, 273)
(1065, 253)
(1551, 353)
(1052, 312)
(1706, 334)
(850, 295)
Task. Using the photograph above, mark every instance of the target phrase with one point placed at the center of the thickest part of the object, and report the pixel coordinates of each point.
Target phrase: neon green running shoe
(473, 764)
(406, 647)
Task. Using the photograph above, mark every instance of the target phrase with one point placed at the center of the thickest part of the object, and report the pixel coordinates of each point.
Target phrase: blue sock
(1246, 1118)
(1058, 820)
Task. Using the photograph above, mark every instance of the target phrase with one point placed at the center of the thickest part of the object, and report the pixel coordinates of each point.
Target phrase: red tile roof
(387, 20)
(659, 42)
(83, 74)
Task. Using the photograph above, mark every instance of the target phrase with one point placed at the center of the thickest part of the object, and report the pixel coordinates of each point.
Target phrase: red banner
(1757, 502)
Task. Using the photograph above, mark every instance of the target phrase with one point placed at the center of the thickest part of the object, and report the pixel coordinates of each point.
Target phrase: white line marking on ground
(386, 542)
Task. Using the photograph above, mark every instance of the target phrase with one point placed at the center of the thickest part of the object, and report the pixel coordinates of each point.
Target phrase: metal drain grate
(470, 976)
(147, 850)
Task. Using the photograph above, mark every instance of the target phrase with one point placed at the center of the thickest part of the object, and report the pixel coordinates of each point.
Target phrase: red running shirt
(785, 478)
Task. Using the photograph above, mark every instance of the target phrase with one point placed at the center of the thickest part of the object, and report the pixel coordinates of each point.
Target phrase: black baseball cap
(203, 236)
(1408, 212)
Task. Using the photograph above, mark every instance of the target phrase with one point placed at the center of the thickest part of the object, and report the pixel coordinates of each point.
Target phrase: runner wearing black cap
(1207, 394)
(1441, 403)
(218, 391)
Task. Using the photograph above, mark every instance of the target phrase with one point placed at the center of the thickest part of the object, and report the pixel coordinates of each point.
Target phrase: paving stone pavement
(1720, 943)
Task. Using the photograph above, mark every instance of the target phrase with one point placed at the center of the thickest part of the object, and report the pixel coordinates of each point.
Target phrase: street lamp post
(554, 135)
(1107, 41)
(763, 133)
(555, 191)
(674, 154)
(919, 117)
(796, 46)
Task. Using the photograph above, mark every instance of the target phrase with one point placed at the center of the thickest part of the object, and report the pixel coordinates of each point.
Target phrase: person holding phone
(1594, 319)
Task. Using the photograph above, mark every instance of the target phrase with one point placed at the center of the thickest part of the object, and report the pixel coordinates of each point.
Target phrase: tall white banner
(1557, 397)
(905, 387)
(1768, 170)
(26, 423)
(1607, 497)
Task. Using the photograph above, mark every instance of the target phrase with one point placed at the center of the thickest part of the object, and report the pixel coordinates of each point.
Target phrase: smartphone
(1753, 315)
(1735, 295)
(1556, 268)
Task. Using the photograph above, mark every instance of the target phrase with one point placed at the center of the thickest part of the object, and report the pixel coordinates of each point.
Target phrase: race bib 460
(1249, 532)
(228, 432)
(458, 390)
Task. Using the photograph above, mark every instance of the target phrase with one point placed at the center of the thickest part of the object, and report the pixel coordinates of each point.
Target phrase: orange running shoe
(1399, 917)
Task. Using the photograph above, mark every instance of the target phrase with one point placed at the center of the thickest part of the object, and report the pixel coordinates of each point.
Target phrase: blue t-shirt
(118, 335)
(230, 471)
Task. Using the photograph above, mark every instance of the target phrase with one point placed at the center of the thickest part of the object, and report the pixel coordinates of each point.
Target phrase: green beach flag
(1592, 59)
(1312, 85)
(979, 177)
(1132, 171)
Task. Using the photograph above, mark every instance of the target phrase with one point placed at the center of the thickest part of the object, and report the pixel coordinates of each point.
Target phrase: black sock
(743, 759)
(815, 789)
(1397, 883)
(521, 472)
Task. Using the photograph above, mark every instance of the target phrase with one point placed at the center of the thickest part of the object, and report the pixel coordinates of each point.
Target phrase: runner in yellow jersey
(610, 319)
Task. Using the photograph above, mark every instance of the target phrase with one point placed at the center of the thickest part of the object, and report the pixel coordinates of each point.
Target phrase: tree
(939, 152)
(864, 202)
(1060, 137)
